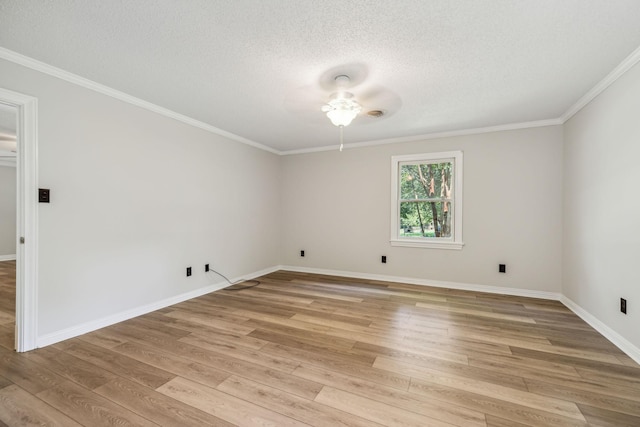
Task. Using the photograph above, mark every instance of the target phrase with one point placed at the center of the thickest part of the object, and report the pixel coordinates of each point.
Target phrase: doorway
(8, 223)
(26, 224)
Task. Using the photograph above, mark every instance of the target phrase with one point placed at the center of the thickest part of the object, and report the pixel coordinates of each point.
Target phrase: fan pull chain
(341, 137)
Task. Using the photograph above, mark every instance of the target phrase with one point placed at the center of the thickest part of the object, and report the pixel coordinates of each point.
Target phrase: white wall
(602, 207)
(136, 198)
(7, 211)
(336, 206)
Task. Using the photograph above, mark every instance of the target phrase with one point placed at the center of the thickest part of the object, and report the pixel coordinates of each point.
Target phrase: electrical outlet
(623, 305)
(384, 259)
(302, 253)
(188, 271)
(206, 268)
(502, 268)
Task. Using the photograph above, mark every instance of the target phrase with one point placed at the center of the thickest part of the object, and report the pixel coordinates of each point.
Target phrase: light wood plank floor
(7, 301)
(303, 349)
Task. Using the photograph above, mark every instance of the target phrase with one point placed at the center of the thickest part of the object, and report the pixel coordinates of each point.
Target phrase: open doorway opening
(8, 223)
(26, 218)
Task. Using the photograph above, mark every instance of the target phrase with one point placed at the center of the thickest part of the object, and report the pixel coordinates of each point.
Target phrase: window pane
(411, 186)
(425, 219)
(426, 209)
(427, 180)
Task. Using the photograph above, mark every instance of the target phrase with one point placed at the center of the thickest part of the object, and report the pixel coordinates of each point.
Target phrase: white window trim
(455, 242)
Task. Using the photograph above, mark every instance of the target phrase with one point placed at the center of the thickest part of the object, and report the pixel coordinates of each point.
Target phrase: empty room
(319, 213)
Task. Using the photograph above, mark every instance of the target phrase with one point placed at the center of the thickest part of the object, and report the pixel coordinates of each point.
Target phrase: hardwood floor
(7, 303)
(303, 349)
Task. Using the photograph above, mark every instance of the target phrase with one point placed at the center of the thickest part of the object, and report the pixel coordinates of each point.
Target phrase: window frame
(455, 241)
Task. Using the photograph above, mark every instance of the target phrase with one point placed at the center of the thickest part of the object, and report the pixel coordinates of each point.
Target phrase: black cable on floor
(255, 282)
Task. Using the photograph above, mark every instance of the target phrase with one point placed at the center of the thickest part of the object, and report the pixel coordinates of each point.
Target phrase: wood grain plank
(20, 408)
(119, 364)
(89, 408)
(289, 322)
(606, 418)
(304, 410)
(491, 405)
(105, 338)
(311, 345)
(277, 297)
(4, 382)
(340, 364)
(507, 394)
(453, 414)
(410, 352)
(374, 411)
(506, 379)
(224, 406)
(587, 396)
(310, 337)
(70, 367)
(211, 332)
(204, 374)
(312, 293)
(156, 406)
(258, 357)
(574, 358)
(475, 312)
(25, 373)
(522, 366)
(606, 376)
(493, 421)
(232, 365)
(209, 321)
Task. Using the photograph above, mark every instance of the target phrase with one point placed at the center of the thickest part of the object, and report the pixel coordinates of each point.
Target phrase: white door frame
(27, 218)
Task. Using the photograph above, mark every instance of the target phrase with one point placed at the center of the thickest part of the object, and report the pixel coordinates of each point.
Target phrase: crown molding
(614, 75)
(428, 136)
(42, 67)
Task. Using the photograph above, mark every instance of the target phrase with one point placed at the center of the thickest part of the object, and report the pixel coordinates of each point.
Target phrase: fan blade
(376, 97)
(307, 104)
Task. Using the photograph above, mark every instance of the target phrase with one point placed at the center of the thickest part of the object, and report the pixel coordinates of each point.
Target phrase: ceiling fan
(345, 95)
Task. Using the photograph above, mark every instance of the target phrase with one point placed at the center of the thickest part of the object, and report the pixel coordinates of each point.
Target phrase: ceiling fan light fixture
(342, 109)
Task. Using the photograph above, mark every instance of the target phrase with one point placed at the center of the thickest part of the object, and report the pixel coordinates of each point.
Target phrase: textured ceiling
(262, 69)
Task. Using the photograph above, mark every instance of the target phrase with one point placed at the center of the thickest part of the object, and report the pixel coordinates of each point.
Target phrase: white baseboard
(435, 283)
(8, 257)
(619, 341)
(94, 325)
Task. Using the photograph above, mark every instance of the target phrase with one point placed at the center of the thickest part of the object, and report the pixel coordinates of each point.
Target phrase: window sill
(425, 244)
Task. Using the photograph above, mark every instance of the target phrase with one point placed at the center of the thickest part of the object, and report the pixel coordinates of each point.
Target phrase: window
(426, 200)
